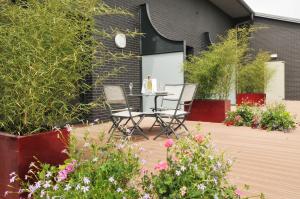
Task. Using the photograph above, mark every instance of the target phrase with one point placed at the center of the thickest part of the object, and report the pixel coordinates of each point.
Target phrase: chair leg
(136, 126)
(113, 128)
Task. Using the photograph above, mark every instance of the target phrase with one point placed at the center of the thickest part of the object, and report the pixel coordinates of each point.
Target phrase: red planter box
(17, 152)
(209, 110)
(251, 98)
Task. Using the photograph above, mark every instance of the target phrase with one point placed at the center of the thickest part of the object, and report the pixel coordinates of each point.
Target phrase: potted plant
(213, 71)
(253, 79)
(47, 50)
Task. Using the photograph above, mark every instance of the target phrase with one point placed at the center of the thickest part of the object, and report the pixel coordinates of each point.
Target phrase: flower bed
(98, 170)
(274, 117)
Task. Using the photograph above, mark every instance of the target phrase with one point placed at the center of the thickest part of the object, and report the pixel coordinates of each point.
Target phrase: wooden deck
(267, 161)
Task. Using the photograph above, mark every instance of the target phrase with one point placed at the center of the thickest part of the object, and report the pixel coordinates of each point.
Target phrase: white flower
(86, 180)
(68, 127)
(85, 189)
(48, 174)
(120, 146)
(55, 187)
(95, 159)
(64, 151)
(142, 149)
(119, 190)
(183, 190)
(178, 173)
(47, 184)
(6, 193)
(86, 145)
(146, 196)
(67, 187)
(111, 179)
(32, 164)
(216, 180)
(37, 185)
(12, 174)
(42, 193)
(12, 179)
(182, 168)
(216, 196)
(230, 162)
(77, 187)
(143, 161)
(201, 187)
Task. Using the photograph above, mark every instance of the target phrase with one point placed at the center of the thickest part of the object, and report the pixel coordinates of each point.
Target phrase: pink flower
(62, 175)
(169, 143)
(144, 171)
(161, 166)
(70, 168)
(238, 192)
(199, 138)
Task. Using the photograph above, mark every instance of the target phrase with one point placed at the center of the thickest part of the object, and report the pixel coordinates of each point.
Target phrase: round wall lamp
(120, 40)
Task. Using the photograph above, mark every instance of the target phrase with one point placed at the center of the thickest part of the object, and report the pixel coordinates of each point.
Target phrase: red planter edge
(17, 152)
(251, 98)
(209, 110)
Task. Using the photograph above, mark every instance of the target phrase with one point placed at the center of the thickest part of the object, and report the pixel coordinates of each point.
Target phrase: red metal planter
(251, 98)
(209, 110)
(17, 152)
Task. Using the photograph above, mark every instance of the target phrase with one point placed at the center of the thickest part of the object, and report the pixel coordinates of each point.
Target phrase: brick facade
(282, 38)
(175, 19)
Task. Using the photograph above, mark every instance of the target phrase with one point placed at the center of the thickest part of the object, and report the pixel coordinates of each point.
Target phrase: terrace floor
(267, 161)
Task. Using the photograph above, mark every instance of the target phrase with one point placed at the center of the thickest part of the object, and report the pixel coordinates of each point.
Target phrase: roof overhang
(233, 8)
(276, 17)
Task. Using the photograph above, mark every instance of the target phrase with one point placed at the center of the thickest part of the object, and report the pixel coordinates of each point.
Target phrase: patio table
(155, 94)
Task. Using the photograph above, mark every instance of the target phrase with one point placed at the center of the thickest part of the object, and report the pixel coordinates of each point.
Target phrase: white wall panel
(166, 68)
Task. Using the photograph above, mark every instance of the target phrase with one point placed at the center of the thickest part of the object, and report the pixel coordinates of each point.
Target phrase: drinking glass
(130, 88)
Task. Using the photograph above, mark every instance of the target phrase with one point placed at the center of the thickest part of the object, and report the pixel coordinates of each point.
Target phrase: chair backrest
(114, 94)
(170, 101)
(187, 97)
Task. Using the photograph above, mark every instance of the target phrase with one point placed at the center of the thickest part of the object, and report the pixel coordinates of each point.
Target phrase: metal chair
(177, 116)
(115, 96)
(168, 102)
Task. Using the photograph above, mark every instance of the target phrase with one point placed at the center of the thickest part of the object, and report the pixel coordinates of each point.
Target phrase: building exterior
(192, 24)
(281, 36)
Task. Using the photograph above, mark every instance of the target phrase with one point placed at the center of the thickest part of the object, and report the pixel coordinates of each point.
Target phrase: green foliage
(91, 172)
(194, 171)
(48, 48)
(245, 115)
(255, 75)
(276, 117)
(213, 69)
(99, 170)
(226, 62)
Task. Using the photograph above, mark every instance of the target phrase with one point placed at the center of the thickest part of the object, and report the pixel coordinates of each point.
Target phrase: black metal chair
(115, 96)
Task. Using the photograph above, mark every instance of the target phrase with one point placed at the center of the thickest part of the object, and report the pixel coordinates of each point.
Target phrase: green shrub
(276, 117)
(106, 171)
(98, 170)
(213, 69)
(255, 76)
(47, 50)
(192, 170)
(245, 115)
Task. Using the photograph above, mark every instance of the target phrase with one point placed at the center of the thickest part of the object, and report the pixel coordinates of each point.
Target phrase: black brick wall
(175, 19)
(282, 38)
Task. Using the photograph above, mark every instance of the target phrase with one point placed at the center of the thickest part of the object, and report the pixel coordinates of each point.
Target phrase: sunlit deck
(267, 161)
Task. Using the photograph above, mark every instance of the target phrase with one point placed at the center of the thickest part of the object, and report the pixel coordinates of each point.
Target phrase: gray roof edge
(246, 6)
(275, 17)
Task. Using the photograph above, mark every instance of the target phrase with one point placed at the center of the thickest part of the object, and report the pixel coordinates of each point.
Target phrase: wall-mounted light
(120, 40)
(274, 56)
